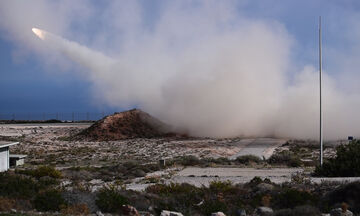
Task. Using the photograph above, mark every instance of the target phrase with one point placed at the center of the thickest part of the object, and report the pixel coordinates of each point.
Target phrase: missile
(40, 33)
(75, 51)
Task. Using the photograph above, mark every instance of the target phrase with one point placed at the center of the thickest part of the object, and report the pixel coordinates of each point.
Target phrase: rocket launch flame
(39, 33)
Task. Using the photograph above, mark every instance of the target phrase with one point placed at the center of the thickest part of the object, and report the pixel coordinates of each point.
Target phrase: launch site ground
(49, 144)
(176, 172)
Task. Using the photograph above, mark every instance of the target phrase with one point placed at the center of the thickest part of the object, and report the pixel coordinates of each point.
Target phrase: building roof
(19, 156)
(4, 144)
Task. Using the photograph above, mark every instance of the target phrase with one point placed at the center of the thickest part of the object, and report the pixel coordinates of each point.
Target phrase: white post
(320, 80)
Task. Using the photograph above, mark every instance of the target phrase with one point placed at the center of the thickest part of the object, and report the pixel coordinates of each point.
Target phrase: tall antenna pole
(320, 80)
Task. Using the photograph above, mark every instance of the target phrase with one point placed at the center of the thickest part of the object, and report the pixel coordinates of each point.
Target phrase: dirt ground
(49, 144)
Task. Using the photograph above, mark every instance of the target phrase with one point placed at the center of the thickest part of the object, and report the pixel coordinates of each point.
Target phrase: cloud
(202, 66)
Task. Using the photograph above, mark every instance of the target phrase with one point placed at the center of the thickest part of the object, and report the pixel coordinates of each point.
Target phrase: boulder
(99, 213)
(170, 213)
(263, 211)
(241, 212)
(340, 212)
(218, 214)
(129, 210)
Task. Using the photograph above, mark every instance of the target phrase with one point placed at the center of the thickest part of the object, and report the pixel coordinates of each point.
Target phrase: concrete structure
(17, 160)
(4, 155)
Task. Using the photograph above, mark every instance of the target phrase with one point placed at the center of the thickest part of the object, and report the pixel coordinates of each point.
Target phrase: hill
(125, 125)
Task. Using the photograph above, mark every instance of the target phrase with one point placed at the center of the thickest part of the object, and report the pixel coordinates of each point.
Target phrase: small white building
(5, 155)
(17, 160)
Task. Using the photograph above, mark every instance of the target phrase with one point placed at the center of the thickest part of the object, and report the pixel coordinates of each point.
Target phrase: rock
(263, 211)
(99, 213)
(339, 212)
(170, 213)
(218, 214)
(241, 212)
(129, 210)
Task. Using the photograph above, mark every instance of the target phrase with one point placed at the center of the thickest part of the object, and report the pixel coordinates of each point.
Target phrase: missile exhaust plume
(81, 54)
(206, 70)
(224, 94)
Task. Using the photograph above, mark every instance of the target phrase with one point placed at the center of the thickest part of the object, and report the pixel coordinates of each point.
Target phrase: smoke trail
(210, 72)
(229, 85)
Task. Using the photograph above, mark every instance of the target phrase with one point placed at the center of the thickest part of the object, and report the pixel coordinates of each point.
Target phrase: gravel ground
(48, 144)
(261, 147)
(202, 176)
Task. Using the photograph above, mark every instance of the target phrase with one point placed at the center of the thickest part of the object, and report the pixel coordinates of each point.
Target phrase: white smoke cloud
(203, 68)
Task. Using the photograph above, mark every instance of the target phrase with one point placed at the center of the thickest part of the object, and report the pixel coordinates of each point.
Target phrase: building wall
(4, 159)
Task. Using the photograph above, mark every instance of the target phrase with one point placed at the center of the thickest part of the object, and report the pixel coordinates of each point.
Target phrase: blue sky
(28, 84)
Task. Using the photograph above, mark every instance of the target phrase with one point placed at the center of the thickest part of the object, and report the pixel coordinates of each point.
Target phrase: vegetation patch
(248, 159)
(15, 186)
(290, 198)
(285, 158)
(109, 199)
(50, 200)
(42, 171)
(345, 164)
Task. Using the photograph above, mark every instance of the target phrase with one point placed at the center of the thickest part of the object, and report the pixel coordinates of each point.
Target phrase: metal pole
(320, 80)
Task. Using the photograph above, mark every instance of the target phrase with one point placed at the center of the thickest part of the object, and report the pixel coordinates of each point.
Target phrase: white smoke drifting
(209, 72)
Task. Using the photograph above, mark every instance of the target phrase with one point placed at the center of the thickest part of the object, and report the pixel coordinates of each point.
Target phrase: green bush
(345, 164)
(50, 200)
(290, 198)
(175, 197)
(299, 211)
(220, 186)
(172, 188)
(349, 193)
(109, 199)
(211, 206)
(247, 159)
(285, 158)
(220, 160)
(190, 160)
(16, 186)
(42, 171)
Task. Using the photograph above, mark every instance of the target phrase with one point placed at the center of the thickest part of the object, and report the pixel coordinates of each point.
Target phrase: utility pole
(320, 80)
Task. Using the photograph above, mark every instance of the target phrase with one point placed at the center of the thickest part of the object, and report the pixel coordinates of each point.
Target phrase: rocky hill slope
(125, 125)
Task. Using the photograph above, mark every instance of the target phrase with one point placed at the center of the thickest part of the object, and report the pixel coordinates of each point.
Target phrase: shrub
(109, 199)
(15, 186)
(285, 157)
(299, 211)
(176, 197)
(6, 204)
(190, 160)
(172, 188)
(345, 164)
(42, 171)
(77, 209)
(220, 160)
(257, 180)
(211, 206)
(348, 193)
(290, 198)
(220, 186)
(247, 159)
(50, 200)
